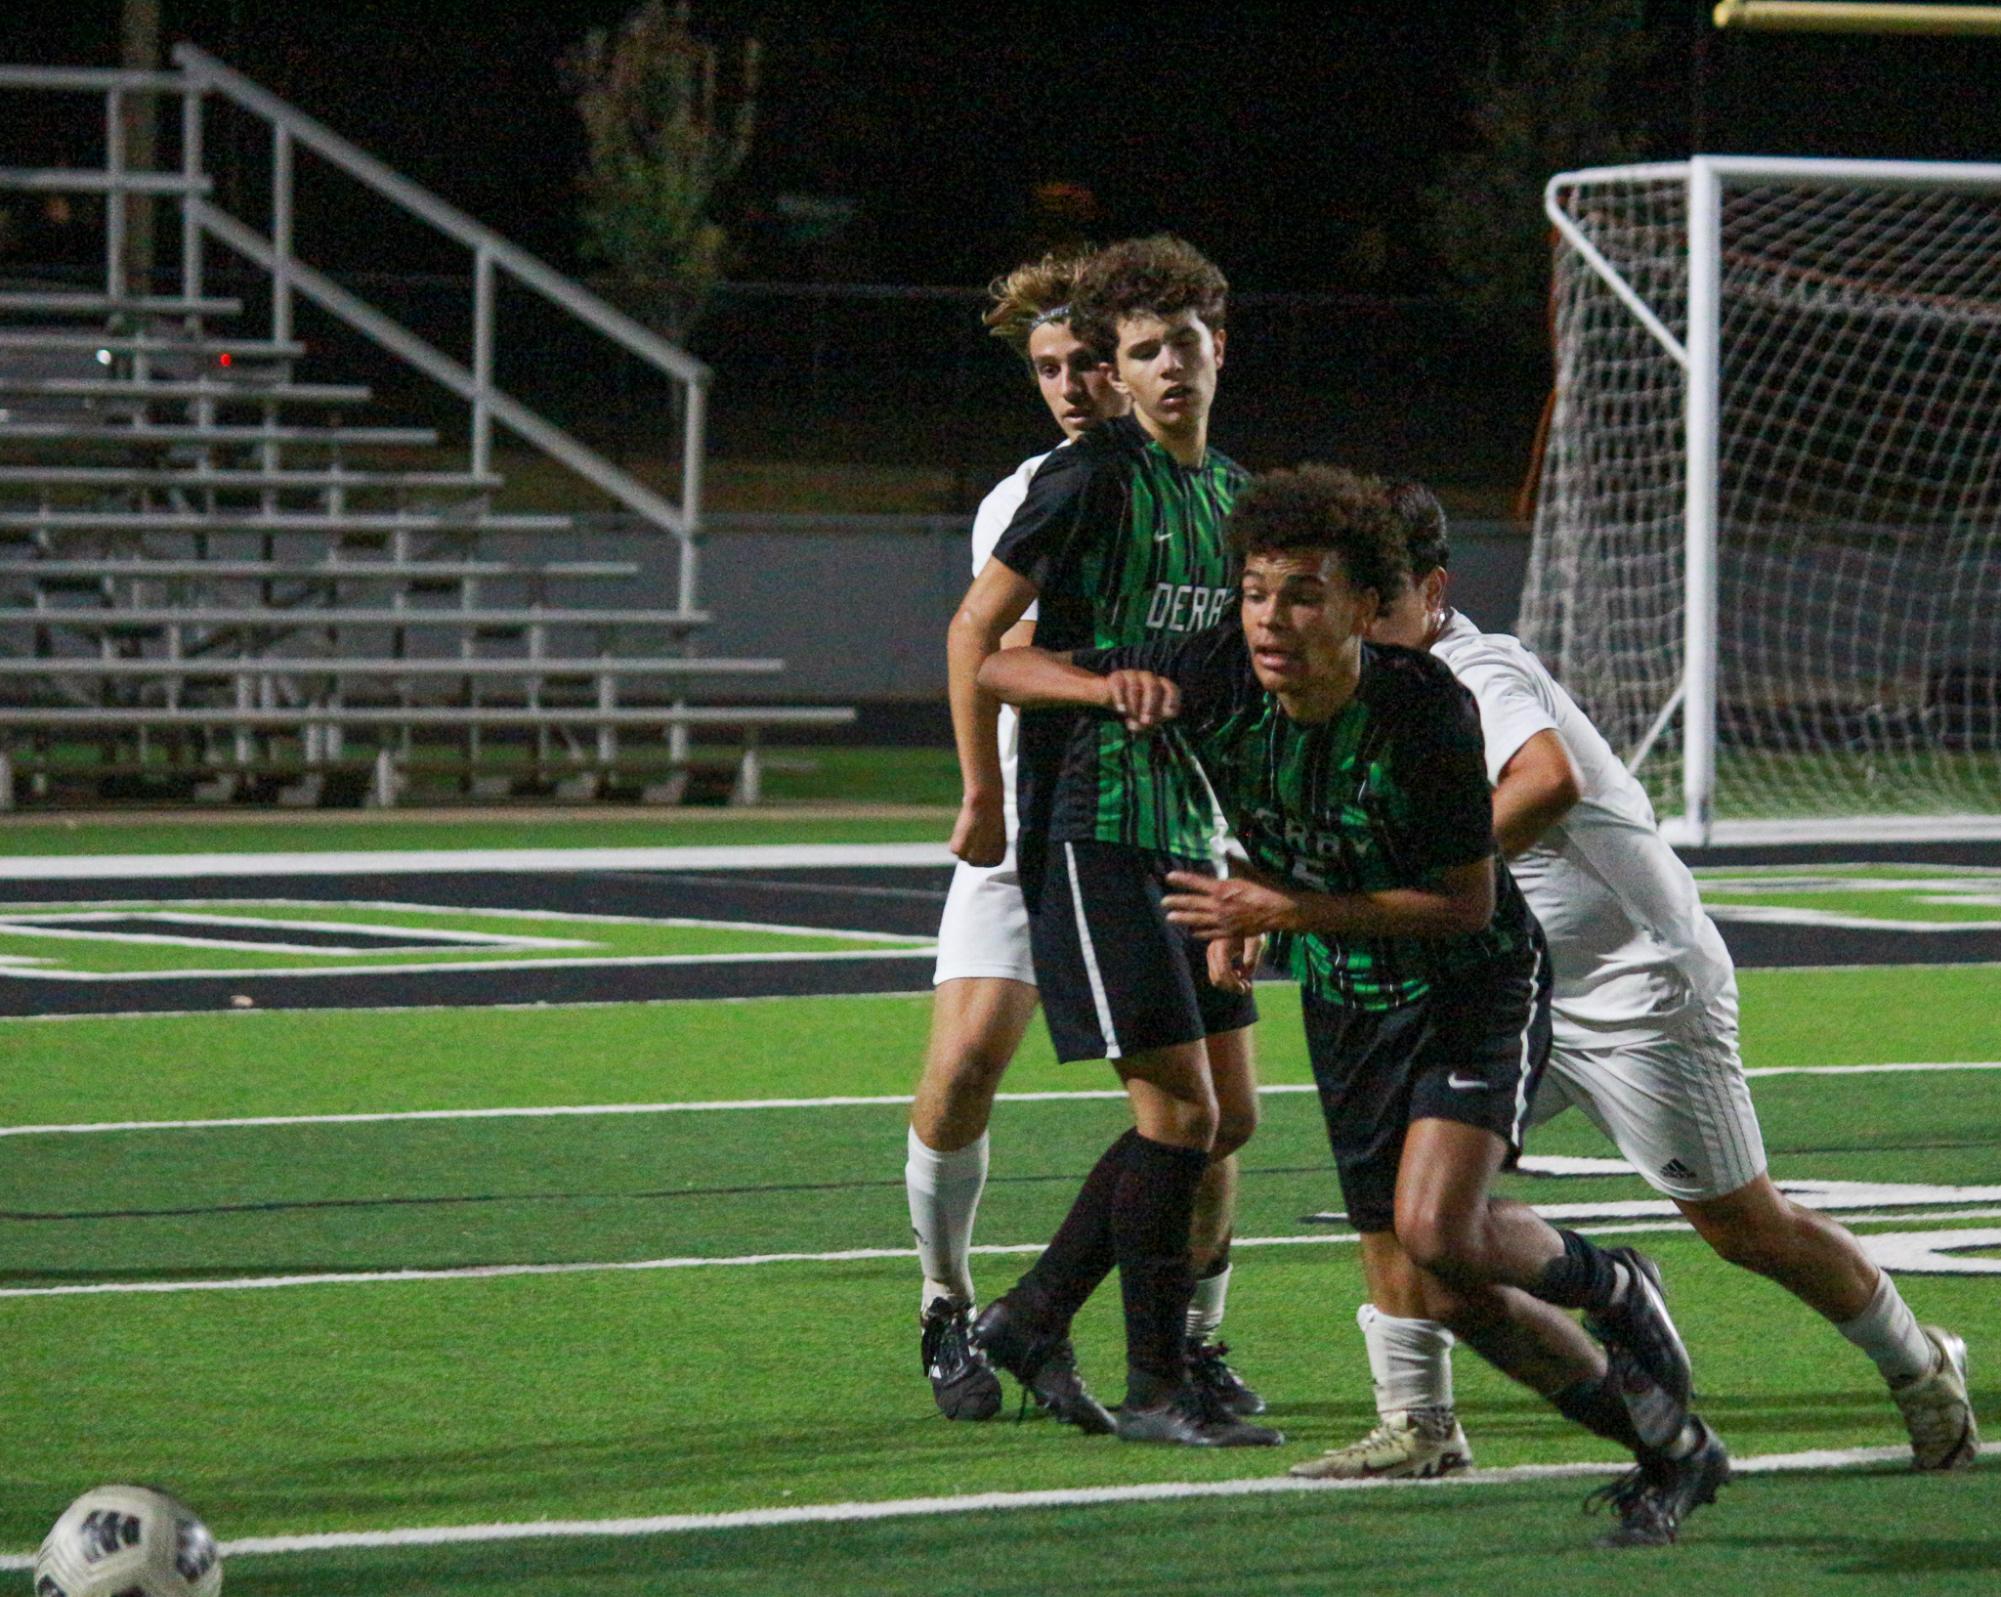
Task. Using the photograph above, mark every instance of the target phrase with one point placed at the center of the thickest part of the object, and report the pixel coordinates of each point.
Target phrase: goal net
(1768, 540)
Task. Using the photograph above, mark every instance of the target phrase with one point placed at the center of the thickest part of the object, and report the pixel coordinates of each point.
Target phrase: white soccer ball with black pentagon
(128, 1541)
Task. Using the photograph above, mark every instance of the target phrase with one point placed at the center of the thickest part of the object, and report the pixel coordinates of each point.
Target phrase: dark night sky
(1272, 135)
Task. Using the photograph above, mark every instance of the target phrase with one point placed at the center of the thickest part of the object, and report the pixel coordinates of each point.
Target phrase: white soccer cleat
(1408, 1444)
(1936, 1409)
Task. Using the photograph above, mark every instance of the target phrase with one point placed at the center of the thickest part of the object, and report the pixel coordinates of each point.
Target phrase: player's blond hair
(1034, 294)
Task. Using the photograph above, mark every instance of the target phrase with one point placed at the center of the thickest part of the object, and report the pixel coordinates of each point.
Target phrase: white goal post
(1767, 552)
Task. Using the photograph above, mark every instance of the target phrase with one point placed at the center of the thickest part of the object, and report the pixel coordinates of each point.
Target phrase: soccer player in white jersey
(1645, 1043)
(985, 991)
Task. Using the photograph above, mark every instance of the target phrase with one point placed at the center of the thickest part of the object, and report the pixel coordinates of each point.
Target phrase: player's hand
(1233, 963)
(1212, 907)
(979, 836)
(1142, 700)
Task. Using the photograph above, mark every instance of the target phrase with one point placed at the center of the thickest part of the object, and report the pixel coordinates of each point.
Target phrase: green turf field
(731, 1324)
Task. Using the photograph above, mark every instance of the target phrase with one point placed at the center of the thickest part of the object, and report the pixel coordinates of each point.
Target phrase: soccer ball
(128, 1541)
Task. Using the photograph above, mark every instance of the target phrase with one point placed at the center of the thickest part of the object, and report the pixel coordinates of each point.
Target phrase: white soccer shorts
(984, 932)
(1675, 1103)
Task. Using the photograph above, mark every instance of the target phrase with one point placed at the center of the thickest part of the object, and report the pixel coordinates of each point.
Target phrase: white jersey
(984, 931)
(1629, 942)
(989, 522)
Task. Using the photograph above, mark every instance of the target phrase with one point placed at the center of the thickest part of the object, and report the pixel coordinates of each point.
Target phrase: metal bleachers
(223, 576)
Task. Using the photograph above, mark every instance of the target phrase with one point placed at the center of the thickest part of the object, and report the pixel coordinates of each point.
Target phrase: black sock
(1583, 1276)
(1598, 1407)
(1150, 1215)
(1080, 1255)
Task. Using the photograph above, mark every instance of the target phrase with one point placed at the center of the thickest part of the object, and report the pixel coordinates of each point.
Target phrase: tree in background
(660, 144)
(1570, 89)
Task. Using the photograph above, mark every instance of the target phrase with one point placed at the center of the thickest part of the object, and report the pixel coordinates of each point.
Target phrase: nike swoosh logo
(1457, 1085)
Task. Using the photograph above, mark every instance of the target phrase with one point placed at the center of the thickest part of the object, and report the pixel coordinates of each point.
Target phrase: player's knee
(1179, 1122)
(1235, 1126)
(1439, 1240)
(1195, 1120)
(981, 1066)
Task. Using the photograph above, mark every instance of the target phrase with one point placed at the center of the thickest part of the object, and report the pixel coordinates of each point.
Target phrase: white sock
(1205, 1308)
(944, 1191)
(1888, 1332)
(1410, 1360)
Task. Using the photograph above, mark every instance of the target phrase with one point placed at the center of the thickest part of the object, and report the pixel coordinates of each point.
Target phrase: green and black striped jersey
(1389, 792)
(1124, 545)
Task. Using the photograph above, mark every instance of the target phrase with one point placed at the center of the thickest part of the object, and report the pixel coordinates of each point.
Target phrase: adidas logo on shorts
(1675, 1170)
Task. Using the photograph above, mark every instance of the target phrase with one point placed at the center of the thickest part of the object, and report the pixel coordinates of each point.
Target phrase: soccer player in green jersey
(1120, 540)
(1353, 775)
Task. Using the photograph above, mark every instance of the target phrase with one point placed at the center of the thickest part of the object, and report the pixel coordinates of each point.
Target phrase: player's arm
(990, 611)
(1536, 788)
(1459, 901)
(1036, 679)
(1437, 759)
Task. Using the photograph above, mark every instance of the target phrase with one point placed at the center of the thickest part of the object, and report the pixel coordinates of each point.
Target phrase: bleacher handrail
(207, 74)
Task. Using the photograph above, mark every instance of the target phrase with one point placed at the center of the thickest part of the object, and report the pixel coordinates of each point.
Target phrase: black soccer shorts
(1472, 1051)
(1116, 978)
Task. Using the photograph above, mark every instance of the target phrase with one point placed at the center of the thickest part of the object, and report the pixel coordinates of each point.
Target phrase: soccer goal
(1768, 539)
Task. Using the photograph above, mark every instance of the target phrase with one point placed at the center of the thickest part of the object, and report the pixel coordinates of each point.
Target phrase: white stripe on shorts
(1098, 998)
(1522, 1077)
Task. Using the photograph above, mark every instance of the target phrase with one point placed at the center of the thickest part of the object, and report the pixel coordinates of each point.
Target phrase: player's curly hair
(1034, 293)
(1425, 536)
(1325, 507)
(1158, 276)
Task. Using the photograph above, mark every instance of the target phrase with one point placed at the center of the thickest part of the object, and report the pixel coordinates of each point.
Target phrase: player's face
(1302, 620)
(1408, 620)
(1075, 385)
(1169, 368)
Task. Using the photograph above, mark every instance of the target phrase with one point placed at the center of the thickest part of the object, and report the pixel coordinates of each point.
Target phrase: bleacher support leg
(749, 787)
(382, 787)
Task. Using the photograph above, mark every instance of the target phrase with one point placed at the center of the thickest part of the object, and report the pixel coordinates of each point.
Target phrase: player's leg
(1680, 1111)
(977, 1023)
(1108, 966)
(984, 998)
(1170, 1090)
(1759, 1228)
(1417, 1433)
(1500, 1270)
(1410, 1361)
(975, 1027)
(1233, 1070)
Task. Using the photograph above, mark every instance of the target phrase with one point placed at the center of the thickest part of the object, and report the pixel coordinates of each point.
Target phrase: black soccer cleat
(1196, 1417)
(1207, 1368)
(1654, 1498)
(962, 1381)
(1640, 1327)
(1045, 1364)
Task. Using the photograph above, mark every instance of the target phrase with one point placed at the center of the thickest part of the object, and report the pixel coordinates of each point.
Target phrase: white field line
(25, 912)
(487, 967)
(970, 1503)
(427, 862)
(497, 1272)
(241, 1016)
(722, 1105)
(1776, 915)
(77, 927)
